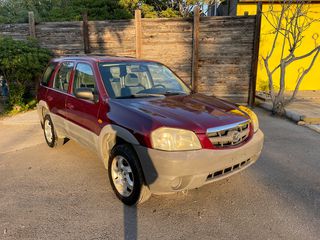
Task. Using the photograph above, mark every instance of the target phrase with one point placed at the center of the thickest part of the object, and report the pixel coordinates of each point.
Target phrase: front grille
(229, 135)
(228, 170)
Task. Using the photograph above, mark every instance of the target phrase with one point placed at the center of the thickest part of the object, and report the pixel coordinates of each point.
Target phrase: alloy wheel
(122, 176)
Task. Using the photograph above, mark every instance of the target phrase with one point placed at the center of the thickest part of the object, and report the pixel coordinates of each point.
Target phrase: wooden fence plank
(32, 25)
(138, 33)
(195, 48)
(85, 32)
(255, 56)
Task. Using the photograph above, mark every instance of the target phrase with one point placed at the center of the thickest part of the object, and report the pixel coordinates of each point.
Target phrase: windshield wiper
(144, 95)
(140, 95)
(172, 93)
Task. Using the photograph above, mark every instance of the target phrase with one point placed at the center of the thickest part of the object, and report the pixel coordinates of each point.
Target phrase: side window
(62, 78)
(47, 74)
(84, 77)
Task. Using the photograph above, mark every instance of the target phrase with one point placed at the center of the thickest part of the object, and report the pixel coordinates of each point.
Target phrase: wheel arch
(109, 136)
(42, 109)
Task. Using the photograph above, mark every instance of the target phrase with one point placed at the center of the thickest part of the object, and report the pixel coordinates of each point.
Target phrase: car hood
(195, 112)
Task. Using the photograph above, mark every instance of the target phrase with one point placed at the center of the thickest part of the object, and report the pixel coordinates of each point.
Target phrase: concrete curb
(292, 115)
(311, 123)
(289, 114)
(314, 127)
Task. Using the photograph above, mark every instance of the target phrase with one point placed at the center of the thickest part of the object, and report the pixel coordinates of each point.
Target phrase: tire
(126, 176)
(50, 134)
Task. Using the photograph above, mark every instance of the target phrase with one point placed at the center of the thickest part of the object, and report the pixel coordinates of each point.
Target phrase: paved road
(65, 194)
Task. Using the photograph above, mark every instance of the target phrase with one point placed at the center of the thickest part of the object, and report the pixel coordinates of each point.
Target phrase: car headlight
(253, 117)
(174, 139)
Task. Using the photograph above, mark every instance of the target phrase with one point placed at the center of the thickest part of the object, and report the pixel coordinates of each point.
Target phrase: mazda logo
(236, 136)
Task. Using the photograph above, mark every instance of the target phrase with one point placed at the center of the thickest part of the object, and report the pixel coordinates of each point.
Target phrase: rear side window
(61, 81)
(84, 77)
(47, 74)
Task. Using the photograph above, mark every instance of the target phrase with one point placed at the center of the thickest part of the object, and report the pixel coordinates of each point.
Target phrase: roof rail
(94, 55)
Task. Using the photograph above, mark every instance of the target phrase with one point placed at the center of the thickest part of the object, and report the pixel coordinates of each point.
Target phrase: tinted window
(62, 78)
(84, 77)
(47, 74)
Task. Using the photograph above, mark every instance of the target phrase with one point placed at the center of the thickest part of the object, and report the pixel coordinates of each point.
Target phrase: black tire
(140, 192)
(54, 141)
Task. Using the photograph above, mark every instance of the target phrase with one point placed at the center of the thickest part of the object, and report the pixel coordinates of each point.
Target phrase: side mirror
(85, 93)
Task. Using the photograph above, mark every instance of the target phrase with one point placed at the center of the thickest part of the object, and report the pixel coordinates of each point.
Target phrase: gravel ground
(64, 193)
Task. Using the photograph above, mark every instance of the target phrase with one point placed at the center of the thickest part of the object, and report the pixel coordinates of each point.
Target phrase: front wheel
(125, 175)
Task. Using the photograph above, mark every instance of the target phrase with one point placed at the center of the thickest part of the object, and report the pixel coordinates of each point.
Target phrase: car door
(57, 94)
(82, 114)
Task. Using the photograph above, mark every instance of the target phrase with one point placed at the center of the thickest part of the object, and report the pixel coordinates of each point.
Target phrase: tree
(177, 8)
(12, 11)
(289, 25)
(21, 65)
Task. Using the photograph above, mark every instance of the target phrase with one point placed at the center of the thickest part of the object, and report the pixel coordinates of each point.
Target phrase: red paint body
(195, 112)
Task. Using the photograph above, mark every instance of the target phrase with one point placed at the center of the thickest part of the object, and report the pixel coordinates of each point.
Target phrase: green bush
(169, 13)
(22, 64)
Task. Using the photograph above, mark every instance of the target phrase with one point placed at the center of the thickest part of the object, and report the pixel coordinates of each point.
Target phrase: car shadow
(130, 222)
(150, 175)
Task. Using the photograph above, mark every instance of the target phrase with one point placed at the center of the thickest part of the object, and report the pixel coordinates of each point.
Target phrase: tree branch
(270, 79)
(277, 30)
(305, 72)
(305, 55)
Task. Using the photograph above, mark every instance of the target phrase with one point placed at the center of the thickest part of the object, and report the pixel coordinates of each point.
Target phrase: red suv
(152, 132)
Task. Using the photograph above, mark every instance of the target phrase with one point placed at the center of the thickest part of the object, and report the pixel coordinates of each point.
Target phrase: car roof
(97, 58)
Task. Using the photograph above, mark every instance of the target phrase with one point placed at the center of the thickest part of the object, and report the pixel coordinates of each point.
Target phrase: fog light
(176, 183)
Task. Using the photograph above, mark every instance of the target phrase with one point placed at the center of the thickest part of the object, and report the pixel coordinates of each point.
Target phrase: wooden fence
(214, 55)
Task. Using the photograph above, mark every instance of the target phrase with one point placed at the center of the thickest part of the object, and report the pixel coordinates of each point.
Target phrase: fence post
(137, 21)
(255, 56)
(32, 25)
(85, 31)
(195, 49)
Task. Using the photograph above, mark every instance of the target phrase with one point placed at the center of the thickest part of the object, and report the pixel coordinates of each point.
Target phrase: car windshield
(140, 79)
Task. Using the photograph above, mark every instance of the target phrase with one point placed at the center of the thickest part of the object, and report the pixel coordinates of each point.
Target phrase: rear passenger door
(83, 114)
(57, 94)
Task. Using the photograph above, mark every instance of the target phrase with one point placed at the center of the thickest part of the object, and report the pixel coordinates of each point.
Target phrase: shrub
(169, 13)
(22, 64)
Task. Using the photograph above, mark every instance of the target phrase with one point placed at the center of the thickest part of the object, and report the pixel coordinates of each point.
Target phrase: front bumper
(176, 171)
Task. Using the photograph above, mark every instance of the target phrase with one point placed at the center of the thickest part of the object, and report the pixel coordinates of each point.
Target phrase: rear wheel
(125, 175)
(50, 134)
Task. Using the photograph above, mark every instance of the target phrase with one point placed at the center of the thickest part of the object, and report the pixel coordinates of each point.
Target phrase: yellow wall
(312, 80)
